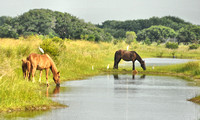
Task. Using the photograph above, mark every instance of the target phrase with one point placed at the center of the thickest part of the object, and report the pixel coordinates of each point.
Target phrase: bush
(171, 45)
(50, 47)
(115, 41)
(91, 37)
(193, 46)
(57, 39)
(147, 41)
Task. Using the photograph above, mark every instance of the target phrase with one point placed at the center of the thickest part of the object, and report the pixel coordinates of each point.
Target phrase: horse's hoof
(135, 72)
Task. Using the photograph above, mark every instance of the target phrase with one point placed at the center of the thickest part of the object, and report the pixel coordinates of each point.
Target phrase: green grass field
(75, 61)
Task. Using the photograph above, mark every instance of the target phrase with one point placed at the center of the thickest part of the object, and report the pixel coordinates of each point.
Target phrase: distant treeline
(52, 23)
(64, 25)
(154, 29)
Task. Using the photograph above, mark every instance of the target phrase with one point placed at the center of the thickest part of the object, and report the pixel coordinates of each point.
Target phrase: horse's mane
(138, 57)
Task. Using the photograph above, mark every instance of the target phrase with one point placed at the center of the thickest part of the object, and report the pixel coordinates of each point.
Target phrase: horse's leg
(118, 62)
(47, 71)
(133, 65)
(26, 75)
(33, 73)
(28, 70)
(40, 76)
(29, 77)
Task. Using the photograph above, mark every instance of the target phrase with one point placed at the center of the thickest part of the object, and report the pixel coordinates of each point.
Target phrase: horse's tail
(115, 57)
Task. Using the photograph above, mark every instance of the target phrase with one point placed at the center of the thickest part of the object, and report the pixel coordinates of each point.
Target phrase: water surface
(155, 62)
(126, 97)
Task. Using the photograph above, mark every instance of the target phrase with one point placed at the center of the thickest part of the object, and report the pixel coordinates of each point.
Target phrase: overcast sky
(97, 11)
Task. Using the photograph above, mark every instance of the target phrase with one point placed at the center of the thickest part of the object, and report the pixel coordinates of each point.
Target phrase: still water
(126, 97)
(156, 62)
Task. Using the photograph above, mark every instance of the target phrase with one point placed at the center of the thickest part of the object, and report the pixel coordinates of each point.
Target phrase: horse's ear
(58, 73)
(23, 60)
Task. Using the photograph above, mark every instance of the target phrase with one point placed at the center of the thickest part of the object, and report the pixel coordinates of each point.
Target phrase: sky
(98, 11)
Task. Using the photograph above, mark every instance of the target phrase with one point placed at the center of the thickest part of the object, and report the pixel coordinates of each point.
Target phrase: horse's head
(56, 78)
(143, 65)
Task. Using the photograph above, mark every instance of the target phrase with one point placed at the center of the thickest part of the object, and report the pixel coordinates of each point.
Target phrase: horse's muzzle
(58, 84)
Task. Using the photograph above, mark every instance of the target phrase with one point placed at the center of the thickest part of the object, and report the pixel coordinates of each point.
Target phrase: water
(156, 62)
(126, 97)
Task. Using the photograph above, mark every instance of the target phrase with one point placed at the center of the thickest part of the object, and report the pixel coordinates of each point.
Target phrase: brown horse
(26, 68)
(40, 62)
(128, 56)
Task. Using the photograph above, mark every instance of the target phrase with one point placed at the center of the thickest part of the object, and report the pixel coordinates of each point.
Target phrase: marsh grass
(74, 61)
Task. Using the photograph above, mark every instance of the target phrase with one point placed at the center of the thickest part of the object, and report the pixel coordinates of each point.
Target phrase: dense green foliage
(171, 45)
(52, 23)
(64, 25)
(168, 27)
(189, 34)
(193, 46)
(156, 33)
(130, 37)
(137, 25)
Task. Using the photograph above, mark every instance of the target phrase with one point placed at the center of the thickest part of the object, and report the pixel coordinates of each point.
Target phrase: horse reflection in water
(55, 91)
(127, 79)
(125, 83)
(116, 77)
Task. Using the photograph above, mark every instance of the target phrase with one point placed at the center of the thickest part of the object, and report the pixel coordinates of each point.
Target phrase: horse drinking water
(128, 56)
(40, 62)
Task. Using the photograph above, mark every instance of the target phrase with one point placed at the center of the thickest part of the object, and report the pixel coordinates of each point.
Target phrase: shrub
(50, 47)
(147, 41)
(193, 46)
(57, 39)
(91, 37)
(171, 45)
(115, 41)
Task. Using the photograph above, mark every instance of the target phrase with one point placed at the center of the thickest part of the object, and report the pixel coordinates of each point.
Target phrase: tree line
(64, 25)
(52, 23)
(154, 29)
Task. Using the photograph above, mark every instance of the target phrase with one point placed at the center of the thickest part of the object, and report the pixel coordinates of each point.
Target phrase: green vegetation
(171, 45)
(193, 46)
(156, 34)
(154, 29)
(130, 37)
(52, 23)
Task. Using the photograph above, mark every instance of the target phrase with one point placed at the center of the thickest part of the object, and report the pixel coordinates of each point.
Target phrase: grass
(75, 61)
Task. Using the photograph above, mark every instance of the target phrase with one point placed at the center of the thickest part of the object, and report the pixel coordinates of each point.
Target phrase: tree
(156, 33)
(189, 34)
(130, 37)
(8, 32)
(138, 25)
(52, 23)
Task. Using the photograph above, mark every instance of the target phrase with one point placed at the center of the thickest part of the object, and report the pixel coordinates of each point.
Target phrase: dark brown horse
(40, 62)
(128, 56)
(26, 68)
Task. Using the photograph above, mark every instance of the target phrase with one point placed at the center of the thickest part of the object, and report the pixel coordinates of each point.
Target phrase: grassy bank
(75, 61)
